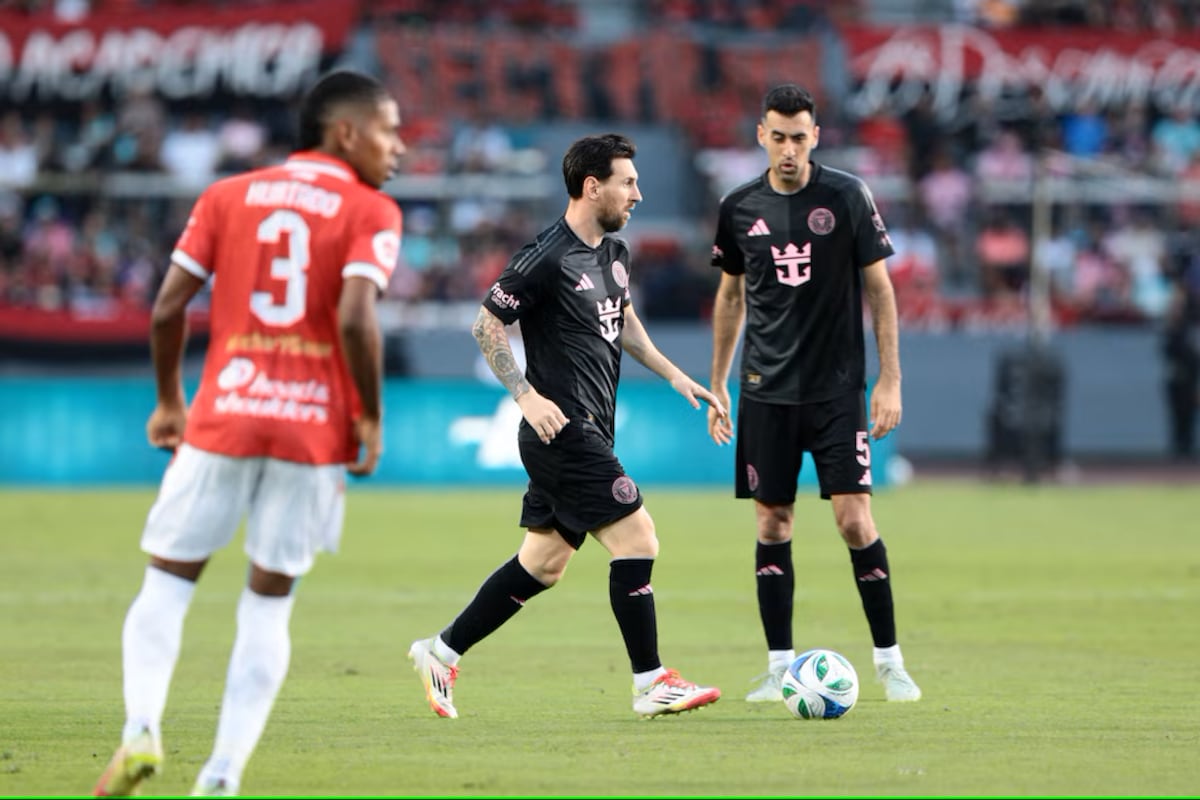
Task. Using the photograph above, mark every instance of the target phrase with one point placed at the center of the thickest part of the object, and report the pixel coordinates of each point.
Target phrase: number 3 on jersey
(292, 268)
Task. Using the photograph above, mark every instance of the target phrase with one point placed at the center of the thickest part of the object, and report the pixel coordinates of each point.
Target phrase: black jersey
(802, 255)
(570, 299)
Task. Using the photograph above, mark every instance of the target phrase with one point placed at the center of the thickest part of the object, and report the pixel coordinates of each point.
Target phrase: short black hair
(339, 86)
(593, 155)
(789, 100)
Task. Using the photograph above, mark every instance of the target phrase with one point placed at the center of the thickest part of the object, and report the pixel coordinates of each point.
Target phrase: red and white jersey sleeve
(194, 251)
(279, 244)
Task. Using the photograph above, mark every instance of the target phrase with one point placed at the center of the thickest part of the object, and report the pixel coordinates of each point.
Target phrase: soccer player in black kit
(570, 291)
(797, 246)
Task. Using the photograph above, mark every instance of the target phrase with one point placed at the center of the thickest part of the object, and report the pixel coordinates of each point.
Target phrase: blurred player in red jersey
(288, 401)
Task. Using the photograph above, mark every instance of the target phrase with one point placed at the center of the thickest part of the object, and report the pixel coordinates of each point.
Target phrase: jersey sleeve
(521, 285)
(626, 258)
(726, 254)
(871, 240)
(374, 242)
(196, 246)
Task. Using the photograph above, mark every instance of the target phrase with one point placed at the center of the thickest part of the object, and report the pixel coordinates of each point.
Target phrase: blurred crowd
(955, 193)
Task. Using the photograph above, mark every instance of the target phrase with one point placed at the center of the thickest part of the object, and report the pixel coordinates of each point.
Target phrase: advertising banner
(91, 431)
(178, 51)
(892, 67)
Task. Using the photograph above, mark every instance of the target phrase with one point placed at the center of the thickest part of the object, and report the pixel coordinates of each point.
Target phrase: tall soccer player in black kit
(797, 246)
(570, 291)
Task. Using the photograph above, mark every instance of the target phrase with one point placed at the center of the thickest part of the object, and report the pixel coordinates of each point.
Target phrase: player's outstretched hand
(694, 393)
(165, 427)
(543, 415)
(369, 433)
(720, 426)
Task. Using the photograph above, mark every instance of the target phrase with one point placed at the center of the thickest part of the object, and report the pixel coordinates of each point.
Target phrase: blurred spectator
(1175, 139)
(10, 244)
(71, 10)
(1181, 356)
(1057, 254)
(92, 145)
(1085, 131)
(191, 151)
(1101, 288)
(141, 122)
(886, 140)
(1005, 159)
(1140, 248)
(914, 271)
(1189, 183)
(925, 135)
(1130, 141)
(1038, 126)
(18, 153)
(46, 141)
(1003, 250)
(945, 194)
(988, 13)
(480, 144)
(240, 139)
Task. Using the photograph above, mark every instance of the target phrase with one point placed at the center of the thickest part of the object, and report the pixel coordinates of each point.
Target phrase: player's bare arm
(636, 342)
(729, 314)
(168, 334)
(543, 415)
(362, 346)
(885, 397)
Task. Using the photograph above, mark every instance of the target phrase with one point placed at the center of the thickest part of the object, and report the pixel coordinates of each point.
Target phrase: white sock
(150, 643)
(778, 660)
(445, 653)
(888, 655)
(257, 667)
(643, 680)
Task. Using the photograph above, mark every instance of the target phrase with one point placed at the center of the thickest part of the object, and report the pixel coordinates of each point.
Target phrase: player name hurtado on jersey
(294, 194)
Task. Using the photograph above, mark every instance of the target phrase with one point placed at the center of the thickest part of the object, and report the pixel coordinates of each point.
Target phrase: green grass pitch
(1054, 632)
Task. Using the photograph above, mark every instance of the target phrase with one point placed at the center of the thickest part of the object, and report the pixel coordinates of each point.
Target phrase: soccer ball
(820, 684)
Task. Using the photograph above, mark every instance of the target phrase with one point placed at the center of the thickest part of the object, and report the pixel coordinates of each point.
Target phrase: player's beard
(612, 219)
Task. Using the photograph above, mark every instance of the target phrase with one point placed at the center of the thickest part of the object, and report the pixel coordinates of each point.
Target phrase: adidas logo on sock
(644, 590)
(875, 574)
(759, 228)
(770, 569)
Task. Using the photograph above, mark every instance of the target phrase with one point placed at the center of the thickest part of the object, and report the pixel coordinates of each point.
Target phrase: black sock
(633, 605)
(875, 589)
(776, 586)
(498, 599)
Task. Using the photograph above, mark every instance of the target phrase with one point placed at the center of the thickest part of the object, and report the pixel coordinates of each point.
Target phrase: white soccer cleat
(671, 694)
(214, 787)
(436, 676)
(770, 687)
(897, 683)
(135, 761)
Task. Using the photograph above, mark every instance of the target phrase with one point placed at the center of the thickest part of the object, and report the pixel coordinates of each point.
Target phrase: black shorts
(576, 483)
(771, 440)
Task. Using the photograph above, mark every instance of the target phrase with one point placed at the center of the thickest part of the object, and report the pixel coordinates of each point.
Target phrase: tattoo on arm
(493, 343)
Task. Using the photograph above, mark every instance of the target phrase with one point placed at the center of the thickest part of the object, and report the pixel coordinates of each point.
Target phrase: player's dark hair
(332, 89)
(593, 155)
(789, 100)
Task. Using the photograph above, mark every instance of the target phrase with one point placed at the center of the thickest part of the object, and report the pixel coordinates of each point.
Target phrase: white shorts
(292, 511)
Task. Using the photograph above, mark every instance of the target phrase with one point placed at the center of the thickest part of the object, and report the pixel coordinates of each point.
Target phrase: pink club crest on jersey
(619, 274)
(821, 221)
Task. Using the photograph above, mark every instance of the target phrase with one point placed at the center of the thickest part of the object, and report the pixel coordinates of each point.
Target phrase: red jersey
(279, 242)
